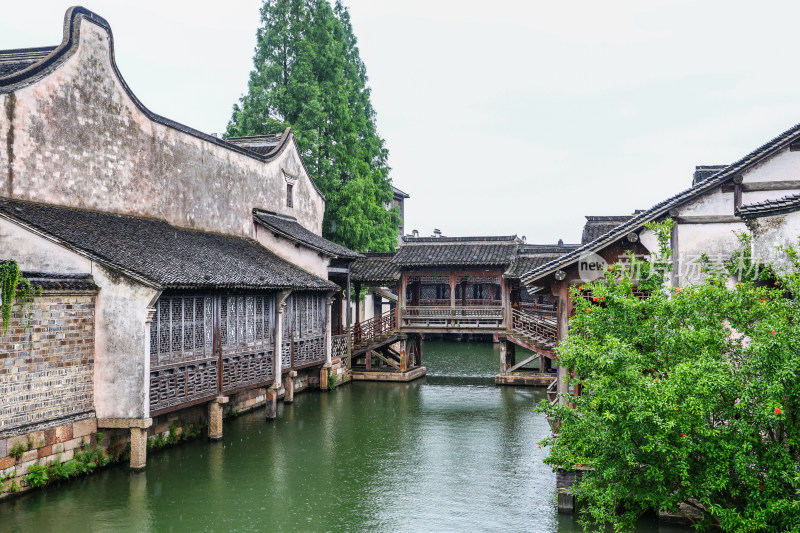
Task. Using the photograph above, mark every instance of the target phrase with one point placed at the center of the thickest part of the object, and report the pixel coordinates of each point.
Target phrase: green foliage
(332, 380)
(688, 396)
(14, 286)
(17, 450)
(13, 488)
(37, 476)
(308, 74)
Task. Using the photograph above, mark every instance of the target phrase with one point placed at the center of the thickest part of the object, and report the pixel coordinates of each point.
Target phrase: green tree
(308, 75)
(689, 396)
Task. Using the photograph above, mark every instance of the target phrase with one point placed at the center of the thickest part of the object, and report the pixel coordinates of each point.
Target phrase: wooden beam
(709, 219)
(759, 186)
(523, 363)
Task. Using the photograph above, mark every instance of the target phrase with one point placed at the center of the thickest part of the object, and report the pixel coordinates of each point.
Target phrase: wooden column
(561, 290)
(328, 312)
(359, 318)
(503, 356)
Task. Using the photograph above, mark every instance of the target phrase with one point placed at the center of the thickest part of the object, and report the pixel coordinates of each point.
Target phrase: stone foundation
(59, 443)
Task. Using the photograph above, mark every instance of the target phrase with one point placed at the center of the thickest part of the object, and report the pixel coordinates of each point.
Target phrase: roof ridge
(66, 49)
(663, 207)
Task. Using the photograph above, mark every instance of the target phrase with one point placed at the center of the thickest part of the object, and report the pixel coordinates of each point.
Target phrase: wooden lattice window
(181, 330)
(246, 322)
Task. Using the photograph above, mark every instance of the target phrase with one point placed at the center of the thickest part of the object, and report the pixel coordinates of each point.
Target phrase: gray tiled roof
(600, 225)
(452, 251)
(288, 227)
(787, 204)
(398, 192)
(385, 267)
(530, 256)
(375, 268)
(703, 172)
(662, 209)
(61, 282)
(162, 255)
(260, 144)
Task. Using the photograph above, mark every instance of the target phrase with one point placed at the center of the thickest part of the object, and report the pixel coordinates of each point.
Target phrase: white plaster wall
(79, 140)
(122, 348)
(306, 258)
(34, 253)
(648, 239)
(718, 241)
(771, 232)
(785, 165)
(712, 203)
(760, 196)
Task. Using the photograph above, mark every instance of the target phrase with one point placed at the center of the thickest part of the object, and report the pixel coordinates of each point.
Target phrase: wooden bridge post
(562, 323)
(403, 352)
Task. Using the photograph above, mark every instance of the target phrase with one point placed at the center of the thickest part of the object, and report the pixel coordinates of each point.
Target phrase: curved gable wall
(74, 135)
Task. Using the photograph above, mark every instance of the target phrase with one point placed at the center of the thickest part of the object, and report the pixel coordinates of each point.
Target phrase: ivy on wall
(14, 286)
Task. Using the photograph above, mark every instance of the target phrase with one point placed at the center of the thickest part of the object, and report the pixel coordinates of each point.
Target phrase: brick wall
(46, 370)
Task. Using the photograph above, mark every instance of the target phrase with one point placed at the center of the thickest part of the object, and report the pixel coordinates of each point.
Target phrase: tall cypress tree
(308, 74)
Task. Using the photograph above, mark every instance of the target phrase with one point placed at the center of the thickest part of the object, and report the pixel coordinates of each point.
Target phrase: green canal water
(449, 452)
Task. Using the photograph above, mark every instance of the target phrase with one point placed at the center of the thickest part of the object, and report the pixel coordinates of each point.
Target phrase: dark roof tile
(452, 251)
(288, 227)
(375, 268)
(163, 255)
(780, 206)
(600, 225)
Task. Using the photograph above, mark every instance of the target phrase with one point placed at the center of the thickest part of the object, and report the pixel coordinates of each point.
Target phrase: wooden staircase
(534, 332)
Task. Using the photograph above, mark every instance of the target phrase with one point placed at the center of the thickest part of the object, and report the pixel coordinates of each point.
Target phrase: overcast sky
(504, 117)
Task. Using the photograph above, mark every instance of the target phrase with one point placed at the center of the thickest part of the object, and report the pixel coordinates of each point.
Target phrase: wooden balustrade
(375, 327)
(535, 327)
(484, 317)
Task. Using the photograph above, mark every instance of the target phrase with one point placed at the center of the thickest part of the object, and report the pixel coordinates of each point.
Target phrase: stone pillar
(138, 428)
(288, 395)
(511, 354)
(272, 403)
(280, 307)
(138, 449)
(541, 363)
(215, 417)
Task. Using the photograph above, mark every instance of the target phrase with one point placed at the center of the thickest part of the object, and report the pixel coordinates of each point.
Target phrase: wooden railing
(535, 327)
(338, 346)
(375, 327)
(483, 317)
(548, 310)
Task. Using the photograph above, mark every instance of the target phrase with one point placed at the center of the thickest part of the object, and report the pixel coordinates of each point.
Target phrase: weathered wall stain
(10, 105)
